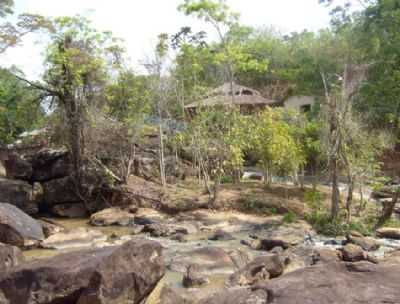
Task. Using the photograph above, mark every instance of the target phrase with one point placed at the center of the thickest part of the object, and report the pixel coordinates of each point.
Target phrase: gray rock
(10, 256)
(17, 228)
(19, 194)
(87, 276)
(73, 210)
(112, 216)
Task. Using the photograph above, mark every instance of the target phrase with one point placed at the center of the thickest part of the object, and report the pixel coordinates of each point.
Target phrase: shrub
(289, 217)
(313, 198)
(226, 179)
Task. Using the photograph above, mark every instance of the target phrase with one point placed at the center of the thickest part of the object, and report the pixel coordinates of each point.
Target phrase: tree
(20, 107)
(275, 144)
(11, 33)
(75, 73)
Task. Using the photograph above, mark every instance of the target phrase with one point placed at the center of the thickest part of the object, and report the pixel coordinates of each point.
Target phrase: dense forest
(110, 118)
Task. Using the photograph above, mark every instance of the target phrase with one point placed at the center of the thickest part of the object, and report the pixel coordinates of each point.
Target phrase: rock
(353, 253)
(366, 243)
(77, 238)
(10, 256)
(292, 234)
(221, 235)
(180, 237)
(392, 257)
(18, 168)
(19, 194)
(87, 276)
(158, 230)
(239, 296)
(389, 233)
(345, 283)
(136, 229)
(170, 296)
(269, 244)
(193, 277)
(265, 244)
(262, 268)
(17, 228)
(73, 210)
(210, 260)
(50, 164)
(145, 216)
(325, 256)
(59, 191)
(49, 227)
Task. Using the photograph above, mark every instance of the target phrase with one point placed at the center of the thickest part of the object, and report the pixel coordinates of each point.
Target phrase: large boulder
(210, 260)
(10, 256)
(20, 194)
(262, 268)
(73, 210)
(123, 274)
(366, 243)
(112, 217)
(345, 283)
(60, 191)
(49, 164)
(389, 233)
(18, 167)
(17, 228)
(239, 296)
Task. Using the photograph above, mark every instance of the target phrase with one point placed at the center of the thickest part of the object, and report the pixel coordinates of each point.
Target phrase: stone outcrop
(74, 210)
(366, 243)
(122, 274)
(261, 269)
(113, 217)
(59, 191)
(18, 228)
(345, 283)
(390, 233)
(78, 238)
(20, 194)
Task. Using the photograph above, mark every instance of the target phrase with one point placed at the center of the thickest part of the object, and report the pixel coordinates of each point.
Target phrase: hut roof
(223, 96)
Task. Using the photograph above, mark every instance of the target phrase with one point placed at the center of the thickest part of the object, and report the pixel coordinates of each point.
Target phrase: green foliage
(313, 198)
(272, 139)
(226, 179)
(256, 207)
(20, 108)
(289, 217)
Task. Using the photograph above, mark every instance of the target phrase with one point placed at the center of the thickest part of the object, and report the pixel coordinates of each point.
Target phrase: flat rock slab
(345, 283)
(119, 274)
(76, 238)
(390, 233)
(112, 217)
(16, 227)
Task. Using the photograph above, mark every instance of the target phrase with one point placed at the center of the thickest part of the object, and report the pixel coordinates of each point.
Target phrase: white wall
(296, 102)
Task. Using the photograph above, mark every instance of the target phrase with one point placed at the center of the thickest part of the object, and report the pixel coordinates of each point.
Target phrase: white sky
(139, 22)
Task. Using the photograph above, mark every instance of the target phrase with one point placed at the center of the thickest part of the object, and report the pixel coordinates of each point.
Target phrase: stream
(178, 253)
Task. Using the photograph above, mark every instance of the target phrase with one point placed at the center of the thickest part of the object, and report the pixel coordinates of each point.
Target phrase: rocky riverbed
(208, 256)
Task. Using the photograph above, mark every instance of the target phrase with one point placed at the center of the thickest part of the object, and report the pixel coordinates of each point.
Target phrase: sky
(139, 22)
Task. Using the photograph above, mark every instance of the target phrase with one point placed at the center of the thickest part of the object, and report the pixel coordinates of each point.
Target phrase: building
(249, 100)
(299, 103)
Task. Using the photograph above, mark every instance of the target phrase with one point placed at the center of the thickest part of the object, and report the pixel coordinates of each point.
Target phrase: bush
(313, 198)
(323, 224)
(254, 206)
(226, 179)
(289, 217)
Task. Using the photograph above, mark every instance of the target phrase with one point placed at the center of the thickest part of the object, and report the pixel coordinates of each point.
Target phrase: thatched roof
(223, 96)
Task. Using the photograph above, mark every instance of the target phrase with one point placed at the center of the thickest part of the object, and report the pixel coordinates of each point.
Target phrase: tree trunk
(335, 200)
(349, 201)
